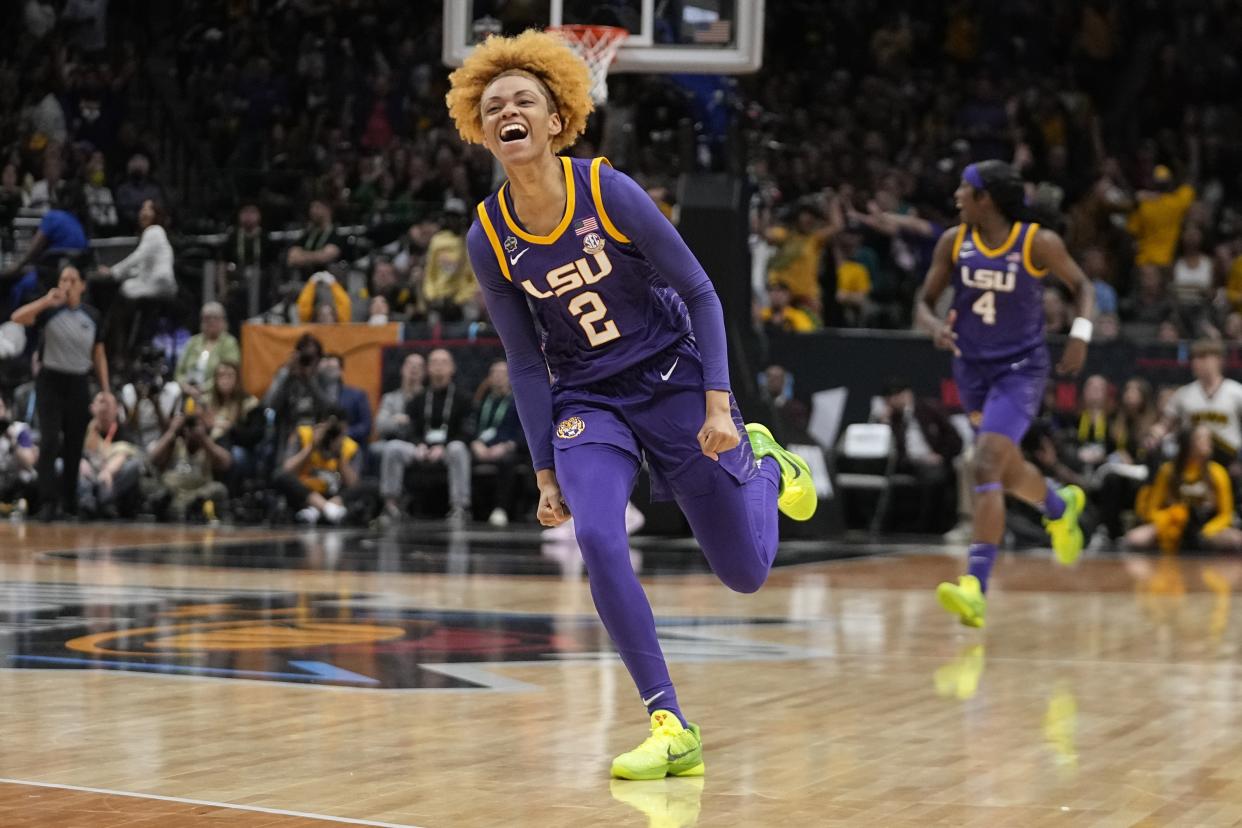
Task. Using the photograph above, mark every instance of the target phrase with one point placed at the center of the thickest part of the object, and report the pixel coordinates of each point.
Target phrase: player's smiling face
(966, 199)
(517, 119)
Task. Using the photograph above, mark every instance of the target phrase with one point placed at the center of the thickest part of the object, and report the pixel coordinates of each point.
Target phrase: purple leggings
(734, 523)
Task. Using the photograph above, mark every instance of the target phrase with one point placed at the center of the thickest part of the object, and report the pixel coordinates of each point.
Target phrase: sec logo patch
(570, 428)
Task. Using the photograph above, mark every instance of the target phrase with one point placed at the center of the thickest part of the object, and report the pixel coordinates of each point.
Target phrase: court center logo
(570, 428)
(365, 642)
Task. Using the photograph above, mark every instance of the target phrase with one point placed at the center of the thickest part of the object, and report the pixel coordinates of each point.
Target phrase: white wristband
(1081, 329)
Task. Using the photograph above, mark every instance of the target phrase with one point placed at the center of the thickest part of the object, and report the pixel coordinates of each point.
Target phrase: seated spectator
(438, 436)
(1056, 312)
(1212, 399)
(780, 315)
(1190, 504)
(43, 195)
(245, 263)
(234, 418)
(1107, 328)
(1194, 275)
(320, 474)
(99, 204)
(295, 395)
(147, 273)
(403, 300)
(135, 191)
(26, 398)
(191, 464)
(319, 246)
(352, 402)
(111, 464)
(12, 197)
(926, 444)
(498, 438)
(786, 416)
(1090, 435)
(1096, 265)
(1151, 304)
(853, 281)
(450, 290)
(322, 291)
(19, 459)
(1123, 474)
(391, 421)
(196, 370)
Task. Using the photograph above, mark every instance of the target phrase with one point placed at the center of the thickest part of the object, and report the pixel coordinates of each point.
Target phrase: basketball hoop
(597, 45)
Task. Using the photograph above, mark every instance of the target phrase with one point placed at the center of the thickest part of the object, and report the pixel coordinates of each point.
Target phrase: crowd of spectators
(344, 195)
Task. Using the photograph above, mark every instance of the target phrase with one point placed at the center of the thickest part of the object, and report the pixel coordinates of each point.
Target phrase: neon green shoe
(797, 499)
(670, 750)
(667, 803)
(964, 599)
(1065, 532)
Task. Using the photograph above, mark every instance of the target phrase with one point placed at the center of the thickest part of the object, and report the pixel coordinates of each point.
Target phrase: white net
(597, 46)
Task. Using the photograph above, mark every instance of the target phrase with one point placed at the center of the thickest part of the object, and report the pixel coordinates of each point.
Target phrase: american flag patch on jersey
(587, 225)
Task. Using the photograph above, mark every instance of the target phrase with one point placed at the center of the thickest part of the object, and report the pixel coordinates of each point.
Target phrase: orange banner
(265, 348)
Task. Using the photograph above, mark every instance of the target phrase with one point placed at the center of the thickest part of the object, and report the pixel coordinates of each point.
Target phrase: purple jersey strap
(528, 372)
(636, 215)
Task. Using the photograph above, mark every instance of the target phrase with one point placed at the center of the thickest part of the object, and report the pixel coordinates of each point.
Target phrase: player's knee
(988, 463)
(596, 540)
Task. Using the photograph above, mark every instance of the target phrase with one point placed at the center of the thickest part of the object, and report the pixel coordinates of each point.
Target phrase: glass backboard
(693, 36)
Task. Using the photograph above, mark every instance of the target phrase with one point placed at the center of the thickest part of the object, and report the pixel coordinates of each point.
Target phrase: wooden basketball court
(160, 676)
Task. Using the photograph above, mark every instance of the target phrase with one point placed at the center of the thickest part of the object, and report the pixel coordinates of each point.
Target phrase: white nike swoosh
(653, 698)
(672, 368)
(514, 259)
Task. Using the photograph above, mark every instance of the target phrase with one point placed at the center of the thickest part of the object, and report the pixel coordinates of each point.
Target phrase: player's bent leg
(735, 523)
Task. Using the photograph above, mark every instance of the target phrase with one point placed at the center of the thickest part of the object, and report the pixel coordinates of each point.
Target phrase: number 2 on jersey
(985, 306)
(596, 334)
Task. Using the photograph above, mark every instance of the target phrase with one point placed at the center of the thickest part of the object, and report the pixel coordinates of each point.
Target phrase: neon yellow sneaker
(964, 599)
(960, 677)
(670, 750)
(667, 803)
(797, 499)
(1065, 532)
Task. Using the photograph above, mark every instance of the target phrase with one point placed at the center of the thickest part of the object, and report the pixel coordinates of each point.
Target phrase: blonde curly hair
(539, 55)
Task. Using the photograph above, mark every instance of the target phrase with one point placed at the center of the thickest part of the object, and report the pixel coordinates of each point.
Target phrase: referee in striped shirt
(70, 345)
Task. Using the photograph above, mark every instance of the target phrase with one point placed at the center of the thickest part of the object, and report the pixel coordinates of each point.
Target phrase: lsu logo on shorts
(570, 428)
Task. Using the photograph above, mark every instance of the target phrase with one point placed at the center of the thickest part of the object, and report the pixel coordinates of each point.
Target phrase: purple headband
(971, 176)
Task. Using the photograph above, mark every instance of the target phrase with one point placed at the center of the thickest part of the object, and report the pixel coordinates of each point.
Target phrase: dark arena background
(299, 578)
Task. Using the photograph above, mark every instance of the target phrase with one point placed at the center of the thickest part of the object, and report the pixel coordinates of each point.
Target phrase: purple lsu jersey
(599, 304)
(998, 295)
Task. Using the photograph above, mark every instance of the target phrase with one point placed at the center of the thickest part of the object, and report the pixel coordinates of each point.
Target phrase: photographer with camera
(189, 462)
(148, 402)
(320, 474)
(19, 455)
(296, 395)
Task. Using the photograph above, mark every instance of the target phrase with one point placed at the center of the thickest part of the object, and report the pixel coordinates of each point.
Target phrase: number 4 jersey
(998, 295)
(600, 303)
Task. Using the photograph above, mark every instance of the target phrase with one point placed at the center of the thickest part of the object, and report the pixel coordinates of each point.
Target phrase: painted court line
(230, 806)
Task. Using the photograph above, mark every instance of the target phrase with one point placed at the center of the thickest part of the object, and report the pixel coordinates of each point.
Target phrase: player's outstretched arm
(1048, 251)
(938, 277)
